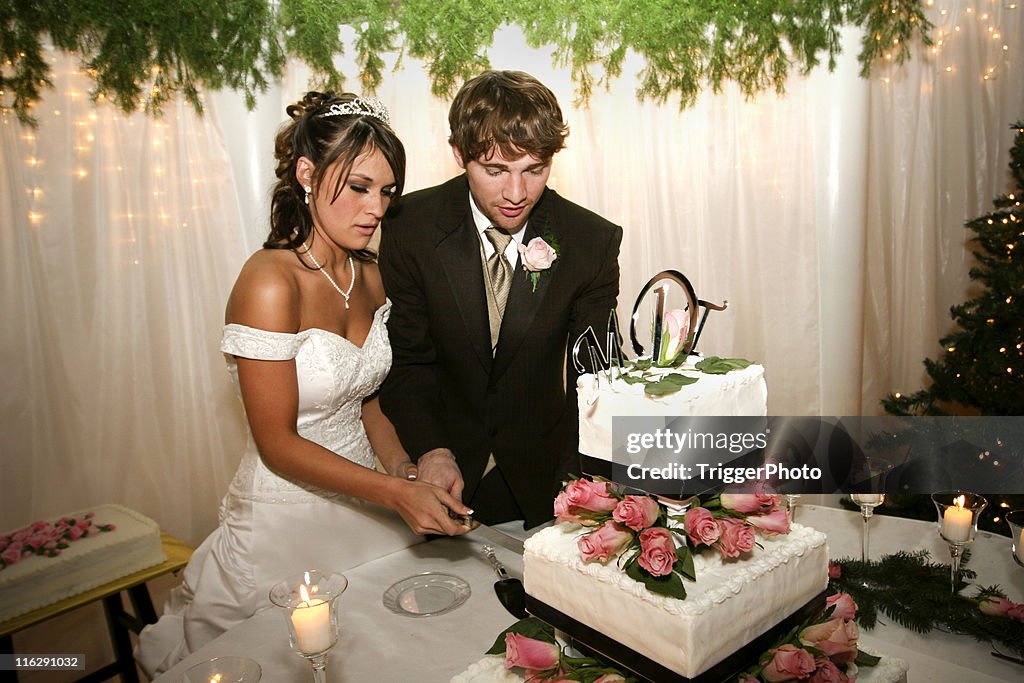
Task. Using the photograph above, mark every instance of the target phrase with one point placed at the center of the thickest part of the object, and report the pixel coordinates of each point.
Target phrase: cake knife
(511, 593)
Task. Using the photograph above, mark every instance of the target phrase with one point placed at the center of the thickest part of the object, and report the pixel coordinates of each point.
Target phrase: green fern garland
(914, 592)
(139, 53)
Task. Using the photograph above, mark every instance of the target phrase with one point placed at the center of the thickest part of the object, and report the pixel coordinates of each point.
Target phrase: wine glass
(958, 523)
(224, 670)
(1015, 519)
(869, 493)
(309, 603)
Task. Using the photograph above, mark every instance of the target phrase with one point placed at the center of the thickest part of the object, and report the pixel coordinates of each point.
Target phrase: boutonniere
(537, 256)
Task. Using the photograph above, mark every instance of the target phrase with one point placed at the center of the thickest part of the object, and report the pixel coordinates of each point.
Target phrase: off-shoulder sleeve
(250, 342)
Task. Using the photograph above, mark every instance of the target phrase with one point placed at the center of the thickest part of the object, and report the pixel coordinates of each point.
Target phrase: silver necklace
(351, 266)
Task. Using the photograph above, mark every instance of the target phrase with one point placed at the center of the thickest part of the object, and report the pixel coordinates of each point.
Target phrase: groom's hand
(438, 467)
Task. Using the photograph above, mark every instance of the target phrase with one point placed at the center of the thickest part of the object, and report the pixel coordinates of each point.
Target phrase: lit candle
(312, 623)
(956, 522)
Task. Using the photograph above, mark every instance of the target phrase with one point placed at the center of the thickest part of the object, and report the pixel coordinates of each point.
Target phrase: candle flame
(305, 593)
(216, 678)
(959, 501)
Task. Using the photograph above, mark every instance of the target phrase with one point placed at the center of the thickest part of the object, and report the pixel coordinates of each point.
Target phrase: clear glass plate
(426, 595)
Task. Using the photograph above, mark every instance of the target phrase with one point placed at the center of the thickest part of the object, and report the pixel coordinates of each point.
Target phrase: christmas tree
(982, 369)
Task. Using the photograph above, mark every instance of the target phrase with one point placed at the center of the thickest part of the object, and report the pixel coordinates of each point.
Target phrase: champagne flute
(869, 493)
(309, 602)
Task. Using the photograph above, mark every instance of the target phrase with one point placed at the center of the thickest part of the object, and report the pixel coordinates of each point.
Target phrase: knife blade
(487, 534)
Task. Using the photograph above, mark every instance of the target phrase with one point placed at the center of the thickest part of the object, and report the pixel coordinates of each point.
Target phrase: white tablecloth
(380, 646)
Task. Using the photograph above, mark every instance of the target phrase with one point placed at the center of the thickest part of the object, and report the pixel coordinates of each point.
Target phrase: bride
(307, 347)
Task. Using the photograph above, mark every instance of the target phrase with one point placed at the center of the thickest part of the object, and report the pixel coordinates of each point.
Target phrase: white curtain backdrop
(831, 219)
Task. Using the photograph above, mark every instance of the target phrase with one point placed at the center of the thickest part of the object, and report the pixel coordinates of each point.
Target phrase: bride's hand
(407, 470)
(425, 508)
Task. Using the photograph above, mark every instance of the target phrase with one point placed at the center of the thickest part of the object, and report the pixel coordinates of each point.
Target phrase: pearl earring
(309, 191)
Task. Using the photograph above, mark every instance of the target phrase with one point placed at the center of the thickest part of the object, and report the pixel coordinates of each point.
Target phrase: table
(119, 622)
(377, 645)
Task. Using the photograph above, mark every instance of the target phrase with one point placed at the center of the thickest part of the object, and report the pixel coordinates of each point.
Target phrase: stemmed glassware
(791, 499)
(869, 493)
(1015, 519)
(309, 602)
(958, 523)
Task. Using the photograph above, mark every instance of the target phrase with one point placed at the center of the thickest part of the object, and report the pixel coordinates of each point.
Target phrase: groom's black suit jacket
(445, 389)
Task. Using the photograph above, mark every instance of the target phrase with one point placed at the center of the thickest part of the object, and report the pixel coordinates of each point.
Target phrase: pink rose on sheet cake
(657, 551)
(529, 653)
(604, 543)
(834, 571)
(836, 638)
(735, 538)
(775, 522)
(636, 512)
(845, 607)
(788, 663)
(536, 256)
(11, 554)
(701, 526)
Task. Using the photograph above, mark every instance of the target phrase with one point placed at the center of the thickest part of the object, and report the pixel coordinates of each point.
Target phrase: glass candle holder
(1015, 519)
(309, 603)
(224, 670)
(958, 513)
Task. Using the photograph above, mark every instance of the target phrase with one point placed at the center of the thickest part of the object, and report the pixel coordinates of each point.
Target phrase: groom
(479, 329)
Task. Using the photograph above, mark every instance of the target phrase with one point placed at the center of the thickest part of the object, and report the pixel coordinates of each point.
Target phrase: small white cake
(93, 560)
(737, 393)
(731, 602)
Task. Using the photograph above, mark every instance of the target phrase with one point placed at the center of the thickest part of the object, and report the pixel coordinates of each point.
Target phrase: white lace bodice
(334, 376)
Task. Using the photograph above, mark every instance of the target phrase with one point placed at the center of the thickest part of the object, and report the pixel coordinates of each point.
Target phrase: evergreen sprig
(915, 593)
(139, 53)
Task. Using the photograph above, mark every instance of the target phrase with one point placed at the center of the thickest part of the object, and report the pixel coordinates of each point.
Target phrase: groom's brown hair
(510, 111)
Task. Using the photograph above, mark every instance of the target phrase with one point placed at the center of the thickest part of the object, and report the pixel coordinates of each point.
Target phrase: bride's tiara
(369, 106)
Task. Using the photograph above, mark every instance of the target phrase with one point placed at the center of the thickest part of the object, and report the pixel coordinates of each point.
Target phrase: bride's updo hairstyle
(326, 129)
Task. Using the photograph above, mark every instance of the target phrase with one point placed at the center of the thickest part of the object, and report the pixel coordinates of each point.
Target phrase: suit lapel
(523, 300)
(459, 253)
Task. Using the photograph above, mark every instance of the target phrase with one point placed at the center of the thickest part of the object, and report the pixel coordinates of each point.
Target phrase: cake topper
(674, 332)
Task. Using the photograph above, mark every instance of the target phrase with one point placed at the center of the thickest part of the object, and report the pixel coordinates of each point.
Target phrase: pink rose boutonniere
(537, 256)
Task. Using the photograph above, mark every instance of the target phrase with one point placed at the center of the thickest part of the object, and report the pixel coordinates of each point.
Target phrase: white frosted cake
(731, 602)
(736, 393)
(491, 669)
(33, 581)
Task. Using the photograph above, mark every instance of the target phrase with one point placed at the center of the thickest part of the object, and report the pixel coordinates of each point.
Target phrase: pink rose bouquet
(820, 650)
(655, 547)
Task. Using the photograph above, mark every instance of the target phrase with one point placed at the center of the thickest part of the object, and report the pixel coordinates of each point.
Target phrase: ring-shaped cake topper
(684, 320)
(660, 285)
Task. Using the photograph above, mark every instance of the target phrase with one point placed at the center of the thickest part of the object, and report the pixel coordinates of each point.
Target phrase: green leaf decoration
(140, 53)
(713, 365)
(670, 585)
(669, 384)
(531, 627)
(685, 563)
(865, 659)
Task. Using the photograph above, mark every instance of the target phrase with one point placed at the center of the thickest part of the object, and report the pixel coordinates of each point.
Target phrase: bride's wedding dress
(271, 527)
